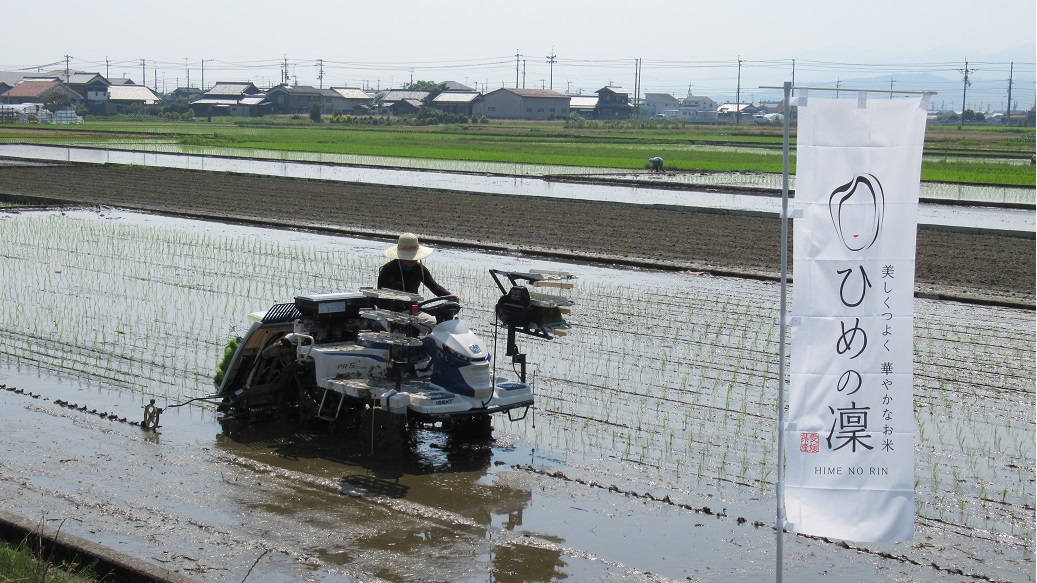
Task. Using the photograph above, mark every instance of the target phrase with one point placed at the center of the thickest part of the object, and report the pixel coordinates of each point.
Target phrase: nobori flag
(850, 433)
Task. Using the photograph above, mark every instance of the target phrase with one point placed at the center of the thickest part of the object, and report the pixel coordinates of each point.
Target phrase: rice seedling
(155, 305)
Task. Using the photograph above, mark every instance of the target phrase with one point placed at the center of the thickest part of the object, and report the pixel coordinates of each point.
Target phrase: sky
(713, 49)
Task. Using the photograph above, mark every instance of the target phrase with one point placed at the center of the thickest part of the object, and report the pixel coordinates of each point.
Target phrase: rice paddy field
(650, 455)
(979, 155)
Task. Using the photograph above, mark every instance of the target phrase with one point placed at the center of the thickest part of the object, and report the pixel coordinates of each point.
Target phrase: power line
(719, 78)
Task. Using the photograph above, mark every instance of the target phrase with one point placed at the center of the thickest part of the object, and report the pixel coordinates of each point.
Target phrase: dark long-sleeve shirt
(394, 275)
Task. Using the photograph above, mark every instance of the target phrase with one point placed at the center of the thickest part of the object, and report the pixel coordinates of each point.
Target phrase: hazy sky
(686, 46)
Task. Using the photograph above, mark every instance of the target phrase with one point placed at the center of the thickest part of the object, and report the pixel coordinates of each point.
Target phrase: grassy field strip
(971, 156)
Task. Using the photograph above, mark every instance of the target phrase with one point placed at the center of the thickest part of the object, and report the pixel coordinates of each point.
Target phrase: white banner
(849, 470)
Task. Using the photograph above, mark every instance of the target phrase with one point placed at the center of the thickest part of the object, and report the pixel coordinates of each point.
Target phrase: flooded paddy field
(961, 206)
(650, 455)
(142, 152)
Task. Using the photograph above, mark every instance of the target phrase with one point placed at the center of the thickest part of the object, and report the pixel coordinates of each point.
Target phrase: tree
(432, 87)
(58, 101)
(315, 111)
(423, 86)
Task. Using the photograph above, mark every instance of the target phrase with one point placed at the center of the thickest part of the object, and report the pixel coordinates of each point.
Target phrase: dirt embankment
(980, 267)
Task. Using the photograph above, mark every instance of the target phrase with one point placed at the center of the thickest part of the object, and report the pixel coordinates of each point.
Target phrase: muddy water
(648, 456)
(940, 215)
(211, 503)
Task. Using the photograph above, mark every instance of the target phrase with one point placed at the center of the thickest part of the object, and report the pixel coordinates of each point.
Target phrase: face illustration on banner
(856, 208)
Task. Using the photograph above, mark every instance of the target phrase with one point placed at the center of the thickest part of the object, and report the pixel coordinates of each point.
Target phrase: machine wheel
(389, 432)
(477, 427)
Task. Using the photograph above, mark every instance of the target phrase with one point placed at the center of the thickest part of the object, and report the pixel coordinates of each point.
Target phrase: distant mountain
(1025, 53)
(935, 69)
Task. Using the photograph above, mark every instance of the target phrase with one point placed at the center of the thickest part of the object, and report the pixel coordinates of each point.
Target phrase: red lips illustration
(856, 208)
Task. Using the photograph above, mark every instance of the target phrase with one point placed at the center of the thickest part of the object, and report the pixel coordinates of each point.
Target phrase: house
(508, 103)
(1016, 117)
(9, 79)
(459, 102)
(294, 99)
(121, 96)
(732, 112)
(184, 93)
(92, 86)
(582, 106)
(32, 90)
(697, 108)
(241, 99)
(455, 86)
(390, 98)
(661, 104)
(352, 100)
(613, 103)
(405, 107)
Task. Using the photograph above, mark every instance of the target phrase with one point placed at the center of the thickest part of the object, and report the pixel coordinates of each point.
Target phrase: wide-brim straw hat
(408, 248)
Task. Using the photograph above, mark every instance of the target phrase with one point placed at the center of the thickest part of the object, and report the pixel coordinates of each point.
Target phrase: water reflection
(443, 498)
(938, 215)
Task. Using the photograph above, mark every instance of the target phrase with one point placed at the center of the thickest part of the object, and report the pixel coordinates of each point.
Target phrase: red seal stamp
(809, 442)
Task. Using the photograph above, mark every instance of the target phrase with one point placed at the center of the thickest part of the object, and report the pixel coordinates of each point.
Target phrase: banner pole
(780, 481)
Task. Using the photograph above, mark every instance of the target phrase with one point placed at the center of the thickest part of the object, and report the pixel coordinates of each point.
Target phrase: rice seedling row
(667, 377)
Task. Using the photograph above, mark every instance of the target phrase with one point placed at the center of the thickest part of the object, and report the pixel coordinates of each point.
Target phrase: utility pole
(964, 89)
(1008, 111)
(637, 90)
(320, 72)
(637, 83)
(285, 78)
(551, 60)
(67, 59)
(154, 74)
(517, 57)
(738, 93)
(107, 65)
(203, 74)
(188, 69)
(793, 88)
(143, 73)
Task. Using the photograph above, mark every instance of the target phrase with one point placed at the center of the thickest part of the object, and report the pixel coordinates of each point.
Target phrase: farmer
(656, 164)
(405, 272)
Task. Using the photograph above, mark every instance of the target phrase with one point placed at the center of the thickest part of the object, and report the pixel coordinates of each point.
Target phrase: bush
(432, 116)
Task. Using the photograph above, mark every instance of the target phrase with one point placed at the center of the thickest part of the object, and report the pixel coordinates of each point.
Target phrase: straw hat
(408, 248)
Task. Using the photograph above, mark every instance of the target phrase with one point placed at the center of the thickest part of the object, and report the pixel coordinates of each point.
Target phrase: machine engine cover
(460, 362)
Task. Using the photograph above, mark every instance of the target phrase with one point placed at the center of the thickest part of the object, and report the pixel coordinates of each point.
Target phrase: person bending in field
(405, 272)
(656, 164)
